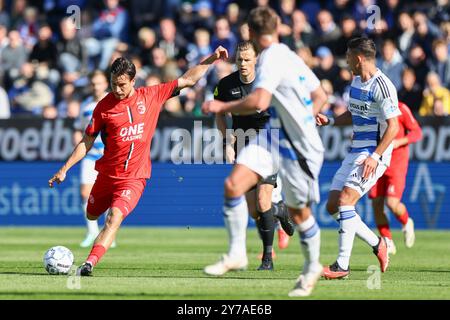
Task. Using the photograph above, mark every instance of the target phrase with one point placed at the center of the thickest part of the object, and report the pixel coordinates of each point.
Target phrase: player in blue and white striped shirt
(373, 111)
(99, 84)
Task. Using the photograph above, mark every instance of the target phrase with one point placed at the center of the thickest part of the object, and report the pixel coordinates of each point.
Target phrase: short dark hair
(123, 66)
(263, 20)
(363, 46)
(245, 45)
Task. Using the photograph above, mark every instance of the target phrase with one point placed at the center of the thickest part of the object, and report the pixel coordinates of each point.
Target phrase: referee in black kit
(264, 201)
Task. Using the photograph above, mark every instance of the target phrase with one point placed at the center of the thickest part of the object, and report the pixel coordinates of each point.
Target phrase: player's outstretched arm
(228, 140)
(78, 153)
(259, 99)
(194, 74)
(344, 119)
(319, 98)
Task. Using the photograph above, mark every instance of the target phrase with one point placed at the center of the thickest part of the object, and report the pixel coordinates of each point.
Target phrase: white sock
(310, 242)
(364, 233)
(349, 221)
(92, 225)
(236, 220)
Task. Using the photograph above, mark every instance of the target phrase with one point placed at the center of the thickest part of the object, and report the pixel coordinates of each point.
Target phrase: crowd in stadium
(47, 52)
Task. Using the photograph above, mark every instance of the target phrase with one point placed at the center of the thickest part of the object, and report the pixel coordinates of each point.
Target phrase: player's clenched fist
(213, 106)
(58, 178)
(322, 120)
(221, 53)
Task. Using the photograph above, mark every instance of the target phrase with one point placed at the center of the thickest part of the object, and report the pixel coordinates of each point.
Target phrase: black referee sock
(266, 227)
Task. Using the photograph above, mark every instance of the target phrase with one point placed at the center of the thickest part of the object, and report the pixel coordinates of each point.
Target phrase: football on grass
(58, 260)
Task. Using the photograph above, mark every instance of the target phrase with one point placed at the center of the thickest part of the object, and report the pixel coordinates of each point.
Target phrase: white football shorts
(299, 189)
(350, 174)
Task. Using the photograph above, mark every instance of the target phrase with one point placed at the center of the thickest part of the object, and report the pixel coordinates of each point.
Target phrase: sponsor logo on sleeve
(141, 107)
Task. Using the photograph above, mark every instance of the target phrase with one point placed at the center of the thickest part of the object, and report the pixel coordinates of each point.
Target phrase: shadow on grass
(81, 294)
(429, 270)
(168, 276)
(200, 276)
(24, 273)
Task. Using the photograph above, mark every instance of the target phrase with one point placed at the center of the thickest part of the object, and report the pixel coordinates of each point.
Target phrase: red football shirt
(127, 127)
(408, 127)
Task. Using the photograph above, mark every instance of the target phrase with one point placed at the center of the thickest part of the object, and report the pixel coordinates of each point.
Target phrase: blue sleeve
(100, 29)
(434, 29)
(119, 27)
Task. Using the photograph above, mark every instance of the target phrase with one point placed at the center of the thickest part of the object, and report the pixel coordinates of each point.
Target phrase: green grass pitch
(167, 263)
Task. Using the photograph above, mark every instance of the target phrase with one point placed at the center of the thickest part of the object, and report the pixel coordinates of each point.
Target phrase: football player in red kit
(126, 120)
(389, 188)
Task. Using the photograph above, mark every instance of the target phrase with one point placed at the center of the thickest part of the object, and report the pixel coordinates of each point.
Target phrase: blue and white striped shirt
(86, 111)
(371, 103)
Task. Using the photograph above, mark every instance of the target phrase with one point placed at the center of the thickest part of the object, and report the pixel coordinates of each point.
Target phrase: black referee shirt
(232, 88)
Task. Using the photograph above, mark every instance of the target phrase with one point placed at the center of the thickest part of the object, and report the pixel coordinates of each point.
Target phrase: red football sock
(385, 231)
(96, 254)
(403, 219)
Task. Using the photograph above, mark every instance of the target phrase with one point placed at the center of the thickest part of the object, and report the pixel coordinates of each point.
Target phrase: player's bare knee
(348, 197)
(114, 219)
(232, 188)
(344, 199)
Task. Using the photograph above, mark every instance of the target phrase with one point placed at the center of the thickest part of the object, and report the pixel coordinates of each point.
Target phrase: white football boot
(226, 264)
(306, 282)
(408, 233)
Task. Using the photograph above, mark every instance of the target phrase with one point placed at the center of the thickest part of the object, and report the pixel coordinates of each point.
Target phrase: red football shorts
(389, 186)
(123, 194)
